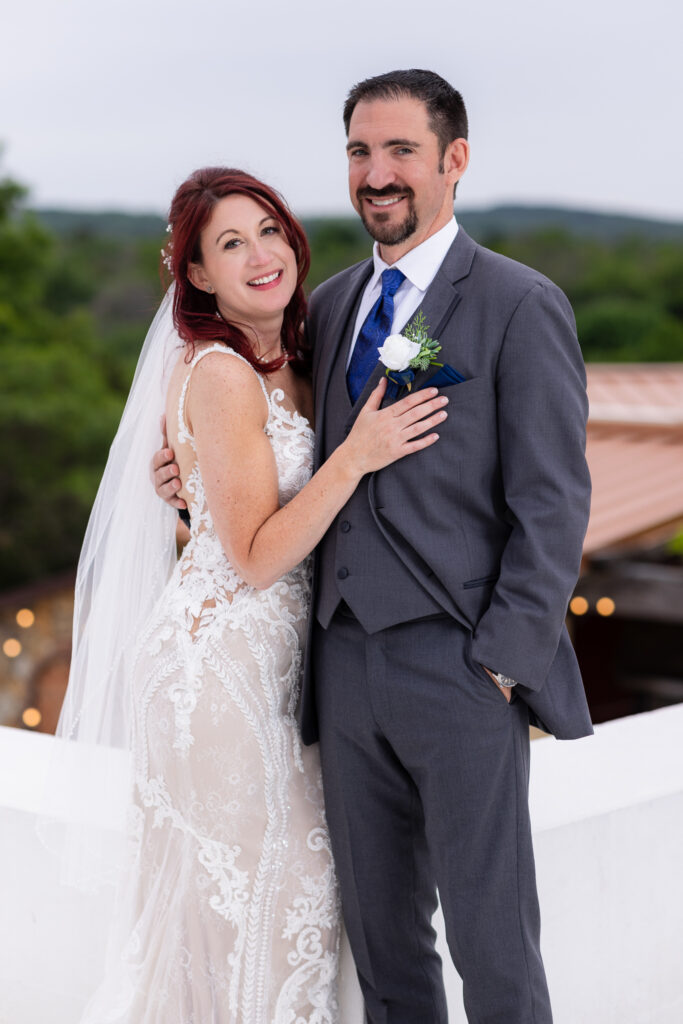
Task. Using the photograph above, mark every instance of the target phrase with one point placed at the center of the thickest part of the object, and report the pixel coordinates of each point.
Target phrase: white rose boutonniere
(403, 354)
(397, 351)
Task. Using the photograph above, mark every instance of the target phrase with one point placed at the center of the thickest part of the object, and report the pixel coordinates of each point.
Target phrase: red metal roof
(635, 451)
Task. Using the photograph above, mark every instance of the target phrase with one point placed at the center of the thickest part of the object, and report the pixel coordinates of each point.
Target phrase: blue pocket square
(442, 378)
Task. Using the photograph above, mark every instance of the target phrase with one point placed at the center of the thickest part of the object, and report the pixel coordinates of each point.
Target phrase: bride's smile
(267, 281)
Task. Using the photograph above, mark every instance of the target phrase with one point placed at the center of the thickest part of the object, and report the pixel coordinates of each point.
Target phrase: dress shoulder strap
(183, 430)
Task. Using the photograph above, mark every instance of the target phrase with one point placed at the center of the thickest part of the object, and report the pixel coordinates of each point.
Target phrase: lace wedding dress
(230, 914)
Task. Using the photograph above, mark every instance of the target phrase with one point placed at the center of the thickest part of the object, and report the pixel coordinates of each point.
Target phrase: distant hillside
(606, 227)
(481, 223)
(108, 223)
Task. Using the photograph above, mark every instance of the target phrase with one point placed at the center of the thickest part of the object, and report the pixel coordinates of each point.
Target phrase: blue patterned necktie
(375, 329)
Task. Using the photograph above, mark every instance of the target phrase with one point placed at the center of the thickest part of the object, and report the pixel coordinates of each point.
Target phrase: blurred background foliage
(78, 290)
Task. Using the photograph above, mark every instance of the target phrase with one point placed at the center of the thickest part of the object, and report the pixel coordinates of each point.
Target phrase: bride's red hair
(195, 311)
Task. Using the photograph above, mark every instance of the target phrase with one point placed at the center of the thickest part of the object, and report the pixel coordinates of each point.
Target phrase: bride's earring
(209, 289)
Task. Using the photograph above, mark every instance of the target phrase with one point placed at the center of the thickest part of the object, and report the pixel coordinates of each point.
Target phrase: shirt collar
(421, 263)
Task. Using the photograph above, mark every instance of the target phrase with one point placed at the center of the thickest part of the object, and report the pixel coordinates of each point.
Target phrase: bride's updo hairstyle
(195, 312)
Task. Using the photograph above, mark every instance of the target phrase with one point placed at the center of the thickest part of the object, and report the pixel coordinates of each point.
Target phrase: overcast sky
(111, 104)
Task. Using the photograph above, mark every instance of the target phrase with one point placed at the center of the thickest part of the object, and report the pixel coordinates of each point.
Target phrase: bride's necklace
(275, 353)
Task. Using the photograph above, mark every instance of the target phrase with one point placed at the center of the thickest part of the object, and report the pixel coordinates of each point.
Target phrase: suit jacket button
(342, 573)
(345, 526)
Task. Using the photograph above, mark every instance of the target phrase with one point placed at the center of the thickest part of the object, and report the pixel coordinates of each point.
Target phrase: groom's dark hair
(445, 106)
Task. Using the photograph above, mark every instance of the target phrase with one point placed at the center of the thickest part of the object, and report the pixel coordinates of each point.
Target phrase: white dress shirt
(420, 266)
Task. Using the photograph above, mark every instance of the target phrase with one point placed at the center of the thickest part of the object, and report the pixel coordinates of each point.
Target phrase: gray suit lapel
(336, 333)
(337, 322)
(442, 296)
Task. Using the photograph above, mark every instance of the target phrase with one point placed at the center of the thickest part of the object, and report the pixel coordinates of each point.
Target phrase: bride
(228, 909)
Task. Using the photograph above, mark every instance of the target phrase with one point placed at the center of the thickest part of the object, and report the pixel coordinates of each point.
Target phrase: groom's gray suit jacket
(487, 524)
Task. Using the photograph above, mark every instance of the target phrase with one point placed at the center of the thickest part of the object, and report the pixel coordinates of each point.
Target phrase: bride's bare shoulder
(221, 380)
(217, 359)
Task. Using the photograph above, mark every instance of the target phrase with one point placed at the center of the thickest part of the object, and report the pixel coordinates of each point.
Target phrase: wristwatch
(504, 680)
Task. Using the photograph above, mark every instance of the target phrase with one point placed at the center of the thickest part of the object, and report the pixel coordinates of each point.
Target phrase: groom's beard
(377, 226)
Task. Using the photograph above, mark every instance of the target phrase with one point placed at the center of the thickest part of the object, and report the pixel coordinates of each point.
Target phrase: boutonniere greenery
(409, 353)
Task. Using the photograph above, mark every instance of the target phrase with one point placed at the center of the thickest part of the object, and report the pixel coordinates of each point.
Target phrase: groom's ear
(456, 158)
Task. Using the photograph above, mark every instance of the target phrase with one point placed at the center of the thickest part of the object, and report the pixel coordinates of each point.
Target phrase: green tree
(623, 330)
(627, 293)
(58, 411)
(335, 244)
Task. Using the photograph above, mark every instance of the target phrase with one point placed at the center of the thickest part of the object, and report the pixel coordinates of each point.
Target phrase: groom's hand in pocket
(505, 690)
(165, 472)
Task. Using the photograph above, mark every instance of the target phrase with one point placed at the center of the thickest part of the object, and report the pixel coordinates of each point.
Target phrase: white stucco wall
(607, 816)
(608, 828)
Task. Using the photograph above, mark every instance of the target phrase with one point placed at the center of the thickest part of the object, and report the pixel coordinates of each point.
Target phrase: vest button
(342, 573)
(345, 526)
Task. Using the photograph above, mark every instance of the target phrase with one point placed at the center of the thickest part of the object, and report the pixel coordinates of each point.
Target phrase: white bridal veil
(126, 559)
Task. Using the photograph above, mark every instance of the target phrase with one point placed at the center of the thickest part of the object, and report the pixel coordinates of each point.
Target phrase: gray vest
(355, 563)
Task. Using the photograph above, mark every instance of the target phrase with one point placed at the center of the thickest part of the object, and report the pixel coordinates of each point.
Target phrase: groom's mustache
(383, 193)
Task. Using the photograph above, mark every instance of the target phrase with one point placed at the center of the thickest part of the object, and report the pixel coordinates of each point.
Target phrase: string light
(12, 647)
(578, 606)
(25, 618)
(605, 606)
(31, 717)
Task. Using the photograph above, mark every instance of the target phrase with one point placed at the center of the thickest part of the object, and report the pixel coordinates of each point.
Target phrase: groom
(441, 589)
